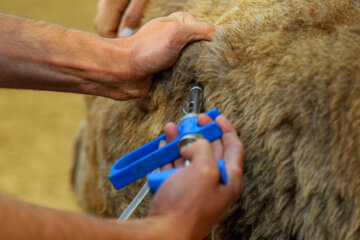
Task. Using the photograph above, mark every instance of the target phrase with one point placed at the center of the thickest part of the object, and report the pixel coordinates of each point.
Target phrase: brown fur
(287, 75)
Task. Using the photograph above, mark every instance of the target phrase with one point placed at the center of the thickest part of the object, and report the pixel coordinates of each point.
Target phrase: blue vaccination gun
(149, 157)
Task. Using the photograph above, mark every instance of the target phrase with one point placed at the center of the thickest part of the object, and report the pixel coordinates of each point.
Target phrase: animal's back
(287, 75)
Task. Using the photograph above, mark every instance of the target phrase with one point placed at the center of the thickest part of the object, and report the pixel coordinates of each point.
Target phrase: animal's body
(287, 75)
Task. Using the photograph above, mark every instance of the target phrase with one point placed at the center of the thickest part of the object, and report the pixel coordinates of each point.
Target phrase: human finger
(132, 17)
(108, 15)
(184, 17)
(199, 31)
(167, 166)
(217, 146)
(203, 156)
(230, 139)
(194, 30)
(202, 150)
(234, 153)
(203, 119)
(171, 133)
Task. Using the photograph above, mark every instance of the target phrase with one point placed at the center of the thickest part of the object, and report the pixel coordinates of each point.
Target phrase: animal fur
(287, 75)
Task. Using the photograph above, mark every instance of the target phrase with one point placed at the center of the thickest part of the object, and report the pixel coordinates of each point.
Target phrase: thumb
(200, 31)
(184, 18)
(195, 29)
(199, 151)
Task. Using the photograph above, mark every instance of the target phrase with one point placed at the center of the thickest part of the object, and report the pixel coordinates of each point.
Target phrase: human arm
(118, 18)
(43, 56)
(206, 199)
(21, 220)
(185, 207)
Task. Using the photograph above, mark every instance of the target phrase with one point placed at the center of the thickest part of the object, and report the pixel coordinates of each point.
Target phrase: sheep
(287, 75)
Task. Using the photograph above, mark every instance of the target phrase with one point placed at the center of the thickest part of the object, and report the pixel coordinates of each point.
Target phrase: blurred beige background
(37, 129)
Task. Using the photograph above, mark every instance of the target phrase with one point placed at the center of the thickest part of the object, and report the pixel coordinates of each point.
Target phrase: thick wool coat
(287, 75)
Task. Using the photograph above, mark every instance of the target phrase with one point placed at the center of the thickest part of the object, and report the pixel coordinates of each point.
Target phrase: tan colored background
(37, 128)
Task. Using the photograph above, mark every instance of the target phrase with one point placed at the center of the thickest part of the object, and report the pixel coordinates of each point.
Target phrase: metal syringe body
(192, 109)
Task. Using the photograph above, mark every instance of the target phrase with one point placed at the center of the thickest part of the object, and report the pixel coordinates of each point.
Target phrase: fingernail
(126, 32)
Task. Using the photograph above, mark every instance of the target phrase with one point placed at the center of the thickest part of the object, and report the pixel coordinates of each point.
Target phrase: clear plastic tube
(134, 203)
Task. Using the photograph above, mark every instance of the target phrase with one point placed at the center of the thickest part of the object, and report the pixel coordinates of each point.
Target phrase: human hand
(154, 48)
(118, 18)
(192, 199)
(157, 45)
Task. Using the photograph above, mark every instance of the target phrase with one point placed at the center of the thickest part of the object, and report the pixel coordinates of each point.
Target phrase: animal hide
(287, 75)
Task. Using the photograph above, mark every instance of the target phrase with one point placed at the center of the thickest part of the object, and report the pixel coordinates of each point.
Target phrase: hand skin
(113, 16)
(43, 56)
(185, 207)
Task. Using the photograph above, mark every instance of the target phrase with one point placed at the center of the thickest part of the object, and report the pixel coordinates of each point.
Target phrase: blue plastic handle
(149, 157)
(156, 179)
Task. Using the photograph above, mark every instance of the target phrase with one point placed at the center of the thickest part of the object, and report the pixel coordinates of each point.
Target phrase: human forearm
(26, 221)
(39, 55)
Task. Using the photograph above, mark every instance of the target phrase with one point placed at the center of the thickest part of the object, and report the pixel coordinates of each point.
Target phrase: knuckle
(181, 17)
(209, 171)
(179, 14)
